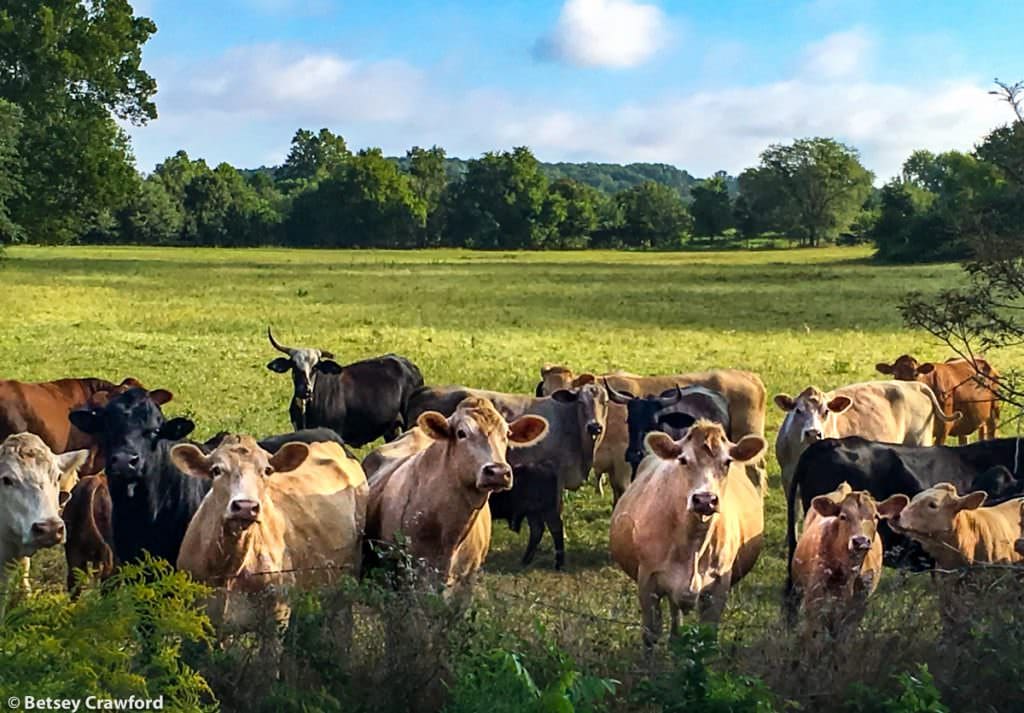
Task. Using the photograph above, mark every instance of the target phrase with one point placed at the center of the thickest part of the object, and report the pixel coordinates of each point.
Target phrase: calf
(690, 526)
(88, 518)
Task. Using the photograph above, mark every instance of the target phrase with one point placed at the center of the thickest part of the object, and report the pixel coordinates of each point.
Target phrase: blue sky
(702, 85)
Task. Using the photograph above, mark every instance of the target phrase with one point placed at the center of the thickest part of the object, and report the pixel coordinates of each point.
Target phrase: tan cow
(743, 390)
(969, 387)
(30, 499)
(956, 530)
(690, 526)
(294, 518)
(838, 560)
(436, 498)
(888, 411)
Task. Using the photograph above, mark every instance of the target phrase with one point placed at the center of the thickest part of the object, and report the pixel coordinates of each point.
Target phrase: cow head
(856, 516)
(930, 515)
(650, 413)
(592, 401)
(554, 377)
(477, 437)
(704, 455)
(812, 413)
(999, 483)
(240, 470)
(304, 364)
(906, 368)
(30, 476)
(130, 428)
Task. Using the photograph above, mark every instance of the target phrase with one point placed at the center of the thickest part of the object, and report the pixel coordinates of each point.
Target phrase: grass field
(194, 321)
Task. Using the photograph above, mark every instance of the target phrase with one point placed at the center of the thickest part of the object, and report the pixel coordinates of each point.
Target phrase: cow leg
(673, 614)
(961, 440)
(712, 601)
(599, 483)
(553, 519)
(620, 479)
(650, 606)
(536, 533)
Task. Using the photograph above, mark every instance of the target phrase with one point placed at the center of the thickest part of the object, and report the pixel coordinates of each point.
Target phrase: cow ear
(825, 506)
(87, 420)
(527, 430)
(677, 420)
(839, 404)
(130, 382)
(176, 429)
(926, 368)
(583, 380)
(72, 461)
(434, 425)
(883, 368)
(289, 457)
(662, 445)
(190, 460)
(62, 498)
(160, 396)
(748, 448)
(892, 506)
(539, 391)
(972, 501)
(280, 365)
(326, 366)
(785, 402)
(565, 396)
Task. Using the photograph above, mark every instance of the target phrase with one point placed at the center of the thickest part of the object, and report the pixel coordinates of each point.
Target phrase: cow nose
(497, 475)
(50, 531)
(859, 543)
(594, 428)
(245, 509)
(704, 503)
(126, 461)
(812, 434)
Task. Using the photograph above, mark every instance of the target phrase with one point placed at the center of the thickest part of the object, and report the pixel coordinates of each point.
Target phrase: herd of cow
(97, 466)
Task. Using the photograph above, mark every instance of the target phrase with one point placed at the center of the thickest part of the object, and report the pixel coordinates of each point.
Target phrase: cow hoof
(559, 561)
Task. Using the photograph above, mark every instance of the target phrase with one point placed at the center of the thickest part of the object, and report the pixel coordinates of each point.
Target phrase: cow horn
(617, 396)
(672, 399)
(273, 342)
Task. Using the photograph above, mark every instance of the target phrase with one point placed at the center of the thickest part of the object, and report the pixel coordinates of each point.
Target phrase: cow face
(812, 414)
(30, 476)
(704, 456)
(930, 515)
(130, 428)
(905, 368)
(477, 438)
(856, 517)
(647, 414)
(592, 401)
(240, 470)
(553, 378)
(304, 364)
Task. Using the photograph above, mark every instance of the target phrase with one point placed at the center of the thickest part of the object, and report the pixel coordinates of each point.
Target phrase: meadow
(194, 321)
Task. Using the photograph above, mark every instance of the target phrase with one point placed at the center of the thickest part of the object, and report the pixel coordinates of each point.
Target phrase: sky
(703, 85)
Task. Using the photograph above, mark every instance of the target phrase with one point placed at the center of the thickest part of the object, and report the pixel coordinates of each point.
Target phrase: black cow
(673, 411)
(885, 469)
(537, 498)
(362, 401)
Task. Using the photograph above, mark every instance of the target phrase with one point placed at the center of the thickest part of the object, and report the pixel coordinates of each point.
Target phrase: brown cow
(88, 517)
(42, 408)
(690, 526)
(743, 390)
(960, 385)
(838, 560)
(436, 498)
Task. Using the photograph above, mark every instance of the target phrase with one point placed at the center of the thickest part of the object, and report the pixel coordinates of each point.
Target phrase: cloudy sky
(704, 85)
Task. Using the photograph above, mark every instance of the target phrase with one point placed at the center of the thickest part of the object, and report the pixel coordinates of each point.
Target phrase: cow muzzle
(595, 429)
(812, 435)
(859, 544)
(123, 463)
(495, 477)
(704, 504)
(47, 533)
(242, 513)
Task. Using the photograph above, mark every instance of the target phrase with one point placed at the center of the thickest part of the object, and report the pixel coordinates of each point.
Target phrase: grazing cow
(576, 417)
(956, 530)
(672, 412)
(361, 401)
(690, 526)
(272, 521)
(88, 518)
(968, 387)
(838, 560)
(743, 390)
(43, 408)
(29, 497)
(436, 498)
(885, 469)
(886, 411)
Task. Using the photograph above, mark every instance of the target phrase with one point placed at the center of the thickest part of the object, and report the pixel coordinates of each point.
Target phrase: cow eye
(460, 434)
(7, 480)
(268, 470)
(933, 505)
(728, 462)
(683, 460)
(842, 516)
(215, 470)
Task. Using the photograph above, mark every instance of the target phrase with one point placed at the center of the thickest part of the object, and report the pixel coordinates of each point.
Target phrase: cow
(956, 530)
(42, 408)
(886, 411)
(362, 401)
(30, 474)
(563, 460)
(969, 387)
(885, 469)
(436, 498)
(291, 518)
(88, 520)
(743, 390)
(838, 560)
(672, 412)
(691, 524)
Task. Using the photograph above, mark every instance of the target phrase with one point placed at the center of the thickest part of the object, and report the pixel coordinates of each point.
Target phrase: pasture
(194, 321)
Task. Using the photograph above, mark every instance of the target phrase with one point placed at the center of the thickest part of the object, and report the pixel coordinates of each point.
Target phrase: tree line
(70, 70)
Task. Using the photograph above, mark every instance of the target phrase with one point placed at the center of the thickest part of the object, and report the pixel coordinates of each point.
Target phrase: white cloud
(841, 54)
(605, 33)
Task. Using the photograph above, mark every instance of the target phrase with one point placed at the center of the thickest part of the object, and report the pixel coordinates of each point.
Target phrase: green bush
(917, 694)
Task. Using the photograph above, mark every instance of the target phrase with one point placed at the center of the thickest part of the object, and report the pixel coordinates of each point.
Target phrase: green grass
(194, 321)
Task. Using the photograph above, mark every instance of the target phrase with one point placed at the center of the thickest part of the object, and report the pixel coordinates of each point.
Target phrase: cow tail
(937, 407)
(790, 601)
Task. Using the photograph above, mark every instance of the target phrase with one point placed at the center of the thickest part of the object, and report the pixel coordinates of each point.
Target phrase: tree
(312, 157)
(429, 182)
(72, 67)
(818, 186)
(151, 216)
(711, 208)
(653, 216)
(10, 169)
(572, 212)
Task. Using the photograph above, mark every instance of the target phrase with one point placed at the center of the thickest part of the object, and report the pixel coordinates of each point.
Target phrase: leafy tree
(10, 169)
(151, 216)
(818, 186)
(711, 208)
(312, 157)
(653, 216)
(72, 67)
(572, 211)
(429, 182)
